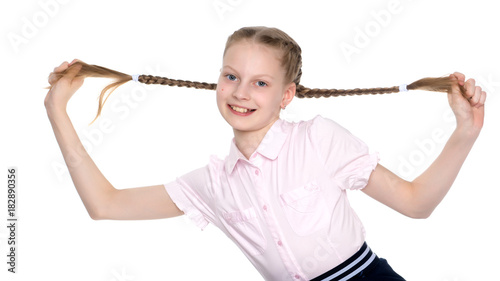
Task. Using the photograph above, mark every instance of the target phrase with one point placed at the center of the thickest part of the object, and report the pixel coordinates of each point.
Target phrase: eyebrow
(258, 75)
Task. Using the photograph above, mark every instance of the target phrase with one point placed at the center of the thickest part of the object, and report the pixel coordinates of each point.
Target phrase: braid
(441, 84)
(303, 92)
(291, 61)
(89, 70)
(149, 79)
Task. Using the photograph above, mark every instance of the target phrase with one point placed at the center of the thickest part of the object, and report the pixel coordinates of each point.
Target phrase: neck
(248, 141)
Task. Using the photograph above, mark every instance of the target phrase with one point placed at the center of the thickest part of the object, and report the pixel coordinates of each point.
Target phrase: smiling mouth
(240, 109)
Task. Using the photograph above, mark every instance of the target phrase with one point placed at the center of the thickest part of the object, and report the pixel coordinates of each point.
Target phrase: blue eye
(231, 77)
(261, 83)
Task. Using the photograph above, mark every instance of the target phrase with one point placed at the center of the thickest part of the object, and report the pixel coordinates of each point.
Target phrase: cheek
(269, 100)
(220, 96)
(224, 90)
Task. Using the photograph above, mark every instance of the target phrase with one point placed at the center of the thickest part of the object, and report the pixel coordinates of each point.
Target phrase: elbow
(96, 218)
(100, 211)
(418, 207)
(420, 214)
(95, 215)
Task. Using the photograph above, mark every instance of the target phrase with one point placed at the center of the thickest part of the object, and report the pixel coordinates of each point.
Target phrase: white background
(158, 133)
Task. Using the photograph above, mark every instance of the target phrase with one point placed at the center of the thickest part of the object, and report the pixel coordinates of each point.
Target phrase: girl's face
(251, 89)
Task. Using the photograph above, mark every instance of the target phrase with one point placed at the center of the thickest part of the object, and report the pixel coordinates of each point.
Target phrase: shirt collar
(269, 147)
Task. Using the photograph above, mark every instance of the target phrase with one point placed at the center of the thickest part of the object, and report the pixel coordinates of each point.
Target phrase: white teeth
(239, 109)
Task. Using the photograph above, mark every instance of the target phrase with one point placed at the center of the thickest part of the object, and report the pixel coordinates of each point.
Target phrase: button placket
(268, 215)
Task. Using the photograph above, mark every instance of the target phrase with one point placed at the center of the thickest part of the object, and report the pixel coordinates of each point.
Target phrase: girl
(280, 194)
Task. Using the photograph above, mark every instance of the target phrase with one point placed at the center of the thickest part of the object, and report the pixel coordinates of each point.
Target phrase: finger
(457, 87)
(55, 75)
(53, 78)
(469, 86)
(73, 61)
(72, 72)
(477, 96)
(460, 77)
(61, 67)
(482, 99)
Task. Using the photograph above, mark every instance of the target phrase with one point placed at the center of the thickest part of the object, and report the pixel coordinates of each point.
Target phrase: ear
(288, 94)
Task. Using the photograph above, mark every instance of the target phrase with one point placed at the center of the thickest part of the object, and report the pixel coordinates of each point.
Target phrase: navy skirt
(363, 265)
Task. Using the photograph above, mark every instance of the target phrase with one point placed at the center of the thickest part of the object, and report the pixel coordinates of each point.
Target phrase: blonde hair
(291, 61)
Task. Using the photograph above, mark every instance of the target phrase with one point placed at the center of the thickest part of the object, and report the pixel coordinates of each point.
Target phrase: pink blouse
(286, 207)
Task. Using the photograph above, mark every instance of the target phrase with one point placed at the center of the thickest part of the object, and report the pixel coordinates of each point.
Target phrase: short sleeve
(346, 158)
(191, 194)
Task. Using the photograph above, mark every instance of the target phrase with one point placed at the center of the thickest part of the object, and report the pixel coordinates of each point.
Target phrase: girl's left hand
(468, 110)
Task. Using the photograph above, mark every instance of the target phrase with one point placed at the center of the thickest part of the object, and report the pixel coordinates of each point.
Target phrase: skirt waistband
(352, 266)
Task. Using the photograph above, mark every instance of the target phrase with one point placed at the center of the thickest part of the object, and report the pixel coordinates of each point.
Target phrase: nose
(241, 93)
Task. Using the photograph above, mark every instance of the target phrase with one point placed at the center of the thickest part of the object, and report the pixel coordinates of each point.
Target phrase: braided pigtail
(303, 92)
(440, 84)
(149, 79)
(120, 78)
(291, 61)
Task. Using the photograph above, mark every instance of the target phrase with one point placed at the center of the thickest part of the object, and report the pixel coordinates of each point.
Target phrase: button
(280, 243)
(257, 172)
(265, 208)
(297, 276)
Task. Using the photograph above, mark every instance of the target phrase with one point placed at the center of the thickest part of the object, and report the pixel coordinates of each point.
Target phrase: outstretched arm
(100, 198)
(418, 198)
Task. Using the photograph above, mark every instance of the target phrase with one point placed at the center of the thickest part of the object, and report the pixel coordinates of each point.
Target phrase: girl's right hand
(61, 90)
